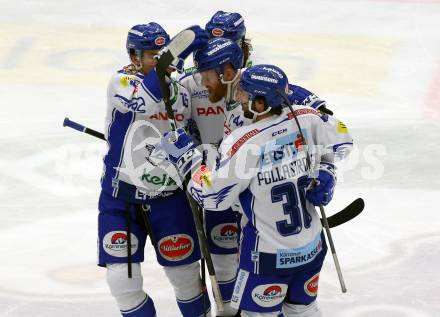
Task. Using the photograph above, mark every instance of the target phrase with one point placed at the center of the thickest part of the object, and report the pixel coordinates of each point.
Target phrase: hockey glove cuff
(181, 151)
(322, 192)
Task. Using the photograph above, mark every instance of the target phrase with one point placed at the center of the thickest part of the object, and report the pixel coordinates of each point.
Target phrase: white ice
(376, 62)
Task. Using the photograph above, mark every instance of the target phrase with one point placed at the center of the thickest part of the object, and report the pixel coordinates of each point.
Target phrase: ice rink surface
(376, 62)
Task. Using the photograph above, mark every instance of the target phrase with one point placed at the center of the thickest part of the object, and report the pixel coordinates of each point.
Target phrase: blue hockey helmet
(264, 81)
(217, 53)
(226, 24)
(149, 36)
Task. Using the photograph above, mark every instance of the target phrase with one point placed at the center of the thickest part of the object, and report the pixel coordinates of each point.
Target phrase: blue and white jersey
(302, 97)
(207, 118)
(264, 166)
(134, 169)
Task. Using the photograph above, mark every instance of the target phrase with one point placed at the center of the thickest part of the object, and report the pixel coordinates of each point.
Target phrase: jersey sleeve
(217, 187)
(333, 135)
(123, 92)
(303, 97)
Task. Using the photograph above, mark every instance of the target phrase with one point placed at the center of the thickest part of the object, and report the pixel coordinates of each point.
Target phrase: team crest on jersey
(135, 104)
(115, 243)
(216, 32)
(176, 247)
(269, 295)
(282, 149)
(159, 41)
(311, 285)
(225, 235)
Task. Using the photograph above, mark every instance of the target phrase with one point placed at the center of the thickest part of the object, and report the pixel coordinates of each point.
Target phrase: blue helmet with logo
(143, 37)
(264, 81)
(217, 53)
(226, 24)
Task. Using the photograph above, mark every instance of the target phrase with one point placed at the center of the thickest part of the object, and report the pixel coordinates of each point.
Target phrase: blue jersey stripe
(116, 138)
(247, 201)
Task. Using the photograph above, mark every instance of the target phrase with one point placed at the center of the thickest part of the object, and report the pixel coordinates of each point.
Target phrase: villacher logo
(176, 247)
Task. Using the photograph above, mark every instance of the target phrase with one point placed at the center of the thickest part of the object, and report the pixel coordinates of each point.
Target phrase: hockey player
(279, 177)
(140, 193)
(207, 127)
(214, 116)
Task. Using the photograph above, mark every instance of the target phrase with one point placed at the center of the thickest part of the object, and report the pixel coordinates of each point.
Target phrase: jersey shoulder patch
(121, 81)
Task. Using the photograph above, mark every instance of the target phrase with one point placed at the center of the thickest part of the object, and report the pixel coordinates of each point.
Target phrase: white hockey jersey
(136, 120)
(207, 118)
(264, 166)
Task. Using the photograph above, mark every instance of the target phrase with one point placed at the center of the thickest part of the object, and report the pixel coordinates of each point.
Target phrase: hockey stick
(81, 128)
(180, 42)
(346, 214)
(324, 219)
(203, 266)
(337, 219)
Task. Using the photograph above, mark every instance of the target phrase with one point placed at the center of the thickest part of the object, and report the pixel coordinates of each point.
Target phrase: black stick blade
(346, 214)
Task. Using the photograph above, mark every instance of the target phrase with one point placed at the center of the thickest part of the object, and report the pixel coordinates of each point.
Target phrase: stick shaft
(81, 128)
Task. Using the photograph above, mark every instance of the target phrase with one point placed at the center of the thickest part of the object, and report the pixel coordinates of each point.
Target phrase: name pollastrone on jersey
(289, 170)
(282, 158)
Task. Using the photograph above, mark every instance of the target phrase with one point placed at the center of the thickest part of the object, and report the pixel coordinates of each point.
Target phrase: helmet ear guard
(231, 85)
(255, 113)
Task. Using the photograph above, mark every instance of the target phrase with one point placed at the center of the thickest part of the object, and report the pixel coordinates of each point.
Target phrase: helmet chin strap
(231, 85)
(137, 58)
(253, 114)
